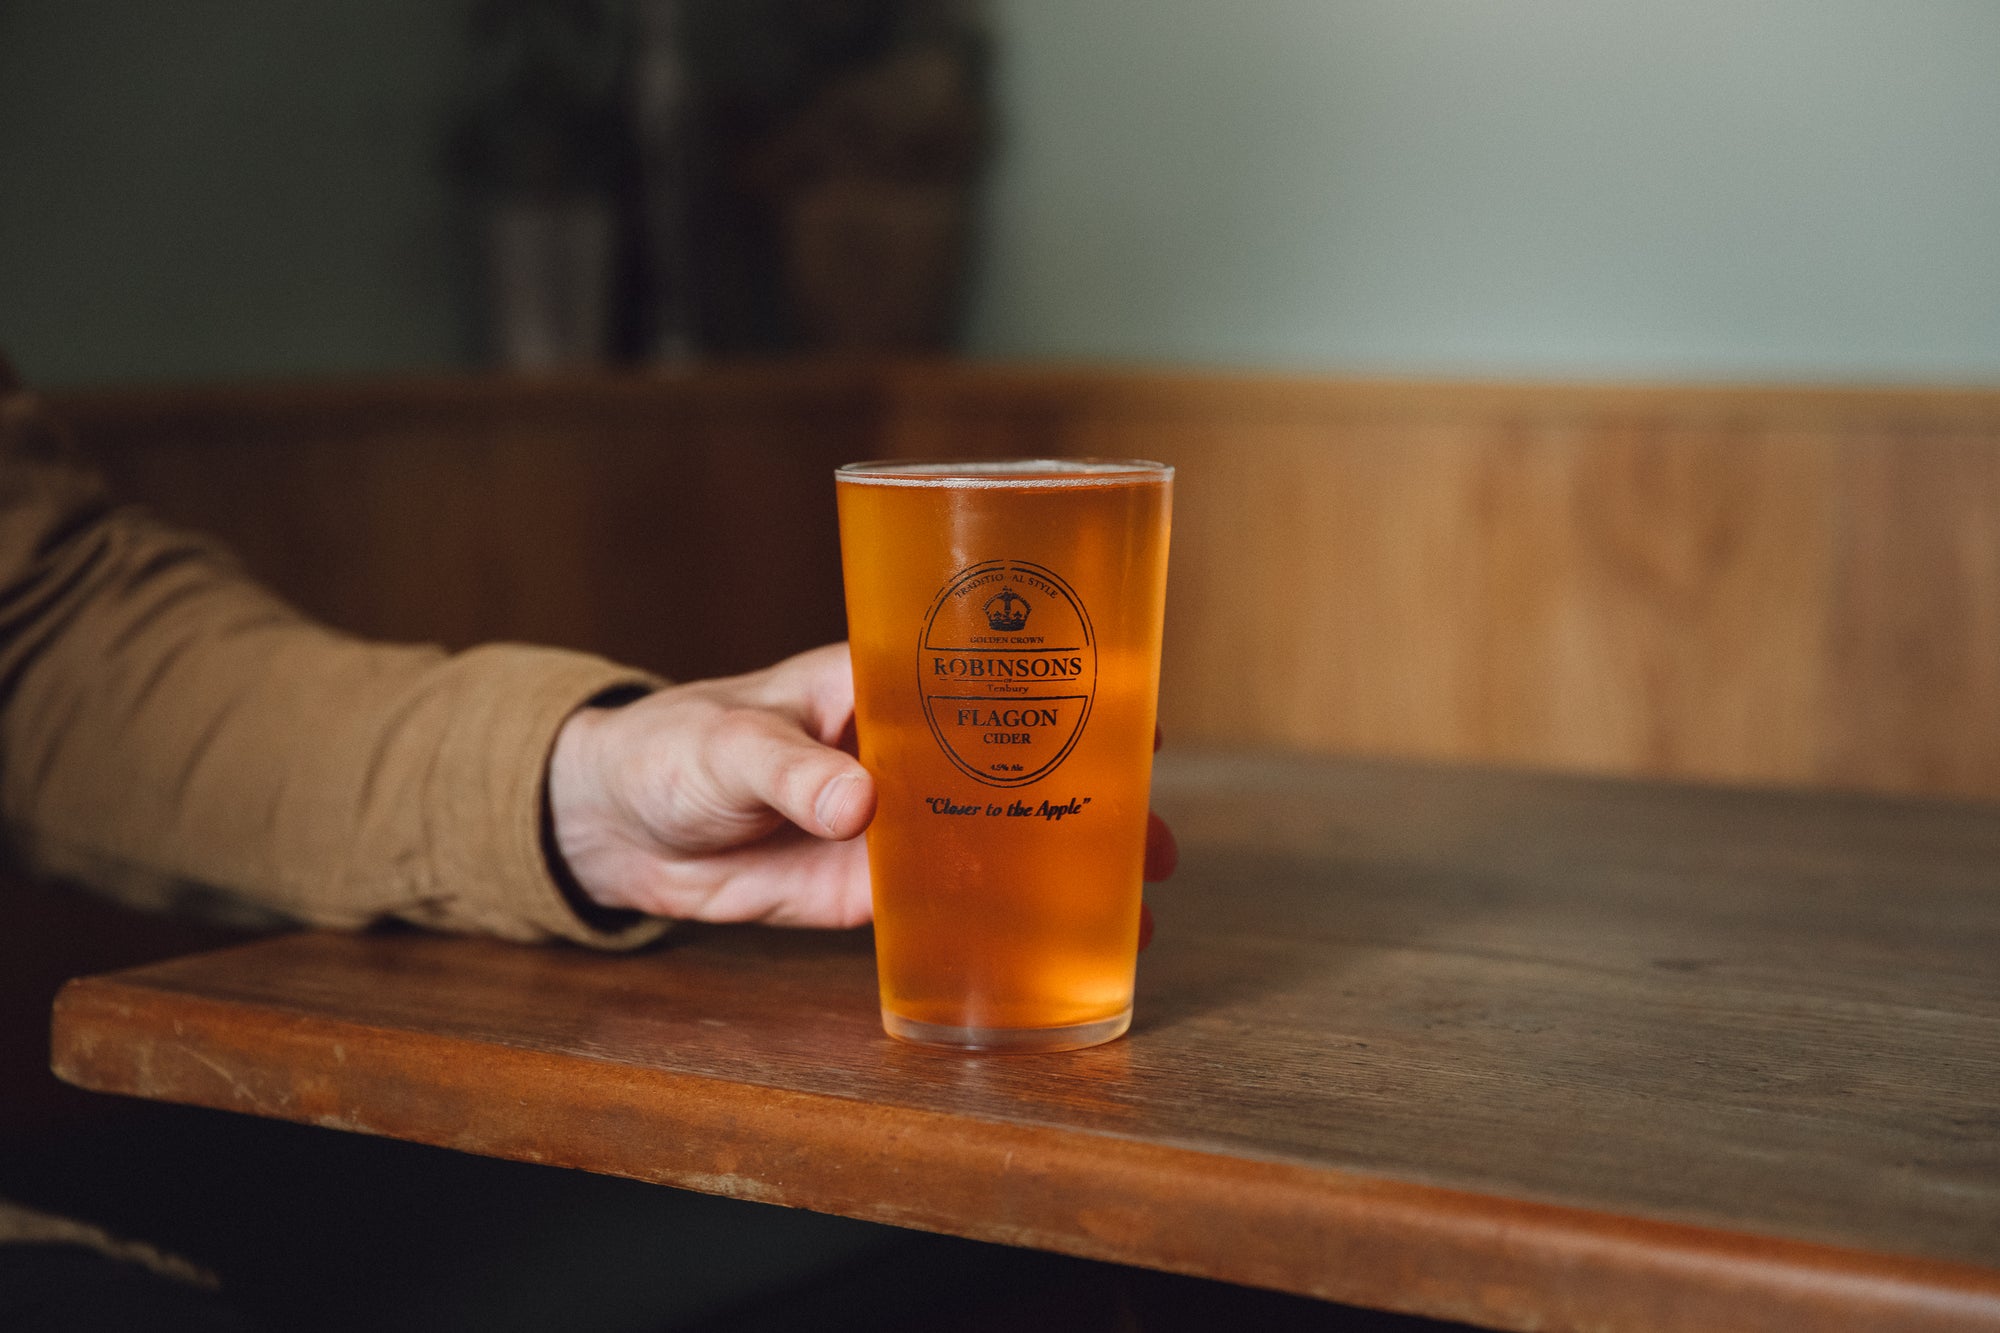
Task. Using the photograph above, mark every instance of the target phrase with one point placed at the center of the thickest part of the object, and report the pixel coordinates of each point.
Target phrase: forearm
(170, 727)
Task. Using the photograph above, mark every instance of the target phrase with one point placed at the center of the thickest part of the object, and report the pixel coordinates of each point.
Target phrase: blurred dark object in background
(660, 310)
(837, 144)
(871, 175)
(539, 146)
(660, 179)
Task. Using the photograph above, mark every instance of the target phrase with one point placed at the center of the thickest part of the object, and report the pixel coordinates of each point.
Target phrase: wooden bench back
(1766, 585)
(1774, 585)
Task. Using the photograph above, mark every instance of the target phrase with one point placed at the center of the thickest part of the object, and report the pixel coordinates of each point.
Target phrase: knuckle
(736, 725)
(800, 779)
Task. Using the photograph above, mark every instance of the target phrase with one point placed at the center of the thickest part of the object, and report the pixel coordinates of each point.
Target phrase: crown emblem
(1006, 610)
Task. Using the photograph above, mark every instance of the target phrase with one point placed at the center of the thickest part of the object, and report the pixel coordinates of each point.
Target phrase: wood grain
(1790, 585)
(683, 524)
(1527, 1052)
(1780, 585)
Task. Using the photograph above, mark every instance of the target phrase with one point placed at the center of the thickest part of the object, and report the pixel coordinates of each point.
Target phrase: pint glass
(1005, 624)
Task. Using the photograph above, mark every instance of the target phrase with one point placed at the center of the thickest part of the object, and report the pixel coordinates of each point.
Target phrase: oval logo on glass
(1007, 668)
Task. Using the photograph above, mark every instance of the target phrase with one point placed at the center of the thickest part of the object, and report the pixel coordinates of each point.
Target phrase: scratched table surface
(1523, 1051)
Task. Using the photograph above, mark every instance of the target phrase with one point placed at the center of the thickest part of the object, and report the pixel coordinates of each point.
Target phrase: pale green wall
(224, 188)
(1560, 187)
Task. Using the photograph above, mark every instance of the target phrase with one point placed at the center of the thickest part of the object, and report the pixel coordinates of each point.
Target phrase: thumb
(759, 759)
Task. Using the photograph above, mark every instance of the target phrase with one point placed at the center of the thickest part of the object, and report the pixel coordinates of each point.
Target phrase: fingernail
(834, 799)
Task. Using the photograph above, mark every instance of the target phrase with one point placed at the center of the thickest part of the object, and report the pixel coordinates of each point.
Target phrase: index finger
(814, 688)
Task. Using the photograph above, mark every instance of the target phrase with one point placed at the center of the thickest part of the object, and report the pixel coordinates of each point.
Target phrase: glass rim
(1010, 473)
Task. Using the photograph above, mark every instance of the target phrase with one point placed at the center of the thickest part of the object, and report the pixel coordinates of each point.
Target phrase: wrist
(578, 817)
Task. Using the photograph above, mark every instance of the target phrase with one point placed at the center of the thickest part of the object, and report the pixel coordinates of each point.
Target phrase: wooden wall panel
(1784, 586)
(685, 524)
(1914, 610)
(1773, 585)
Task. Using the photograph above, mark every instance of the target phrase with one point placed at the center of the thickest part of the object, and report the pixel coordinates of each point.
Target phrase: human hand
(729, 800)
(721, 800)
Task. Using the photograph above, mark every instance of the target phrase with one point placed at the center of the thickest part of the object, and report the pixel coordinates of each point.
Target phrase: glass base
(1071, 1038)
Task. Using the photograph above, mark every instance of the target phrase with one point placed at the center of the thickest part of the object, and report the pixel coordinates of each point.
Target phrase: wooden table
(1528, 1052)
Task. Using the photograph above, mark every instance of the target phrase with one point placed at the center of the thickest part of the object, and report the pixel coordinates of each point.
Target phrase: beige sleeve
(170, 730)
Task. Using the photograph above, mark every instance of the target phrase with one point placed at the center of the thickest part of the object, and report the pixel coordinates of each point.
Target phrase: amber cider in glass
(1005, 620)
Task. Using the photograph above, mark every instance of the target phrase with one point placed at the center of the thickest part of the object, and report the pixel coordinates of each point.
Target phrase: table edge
(1336, 1235)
